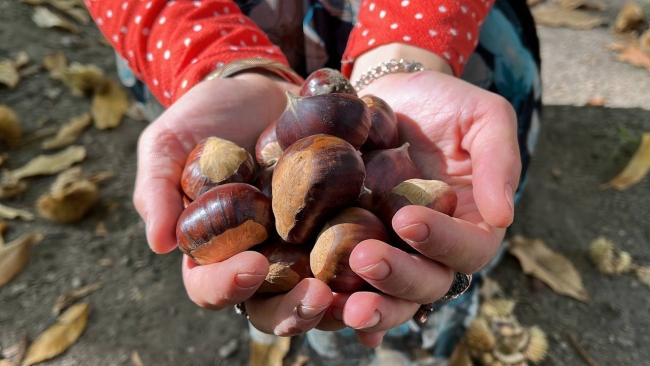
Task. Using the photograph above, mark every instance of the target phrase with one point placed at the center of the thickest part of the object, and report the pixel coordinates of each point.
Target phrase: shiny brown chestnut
(263, 181)
(216, 161)
(326, 81)
(288, 265)
(341, 115)
(267, 148)
(383, 130)
(224, 221)
(434, 194)
(315, 177)
(330, 257)
(385, 169)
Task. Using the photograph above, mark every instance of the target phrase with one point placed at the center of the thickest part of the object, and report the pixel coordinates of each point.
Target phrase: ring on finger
(458, 287)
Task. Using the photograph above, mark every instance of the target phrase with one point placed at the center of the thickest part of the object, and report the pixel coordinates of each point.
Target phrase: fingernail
(337, 314)
(510, 196)
(245, 280)
(416, 233)
(378, 271)
(374, 320)
(307, 312)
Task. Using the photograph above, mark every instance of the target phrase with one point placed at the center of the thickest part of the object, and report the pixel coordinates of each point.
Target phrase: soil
(143, 306)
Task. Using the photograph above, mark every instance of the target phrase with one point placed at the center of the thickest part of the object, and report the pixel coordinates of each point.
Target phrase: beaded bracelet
(390, 67)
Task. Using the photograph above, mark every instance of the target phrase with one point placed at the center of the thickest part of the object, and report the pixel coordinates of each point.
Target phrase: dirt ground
(143, 306)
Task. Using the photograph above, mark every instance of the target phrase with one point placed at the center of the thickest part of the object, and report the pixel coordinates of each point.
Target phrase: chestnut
(434, 194)
(385, 169)
(263, 181)
(341, 115)
(216, 161)
(267, 148)
(383, 125)
(224, 221)
(326, 81)
(288, 265)
(315, 177)
(330, 257)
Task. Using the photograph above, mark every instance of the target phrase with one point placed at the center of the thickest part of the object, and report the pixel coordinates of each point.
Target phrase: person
(471, 118)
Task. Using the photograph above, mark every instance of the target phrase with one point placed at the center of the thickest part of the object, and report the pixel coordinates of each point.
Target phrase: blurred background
(576, 265)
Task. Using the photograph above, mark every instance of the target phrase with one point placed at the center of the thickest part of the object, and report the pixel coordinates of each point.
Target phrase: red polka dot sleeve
(173, 45)
(448, 28)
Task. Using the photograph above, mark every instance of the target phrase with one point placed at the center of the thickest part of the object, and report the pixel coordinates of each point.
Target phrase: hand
(459, 134)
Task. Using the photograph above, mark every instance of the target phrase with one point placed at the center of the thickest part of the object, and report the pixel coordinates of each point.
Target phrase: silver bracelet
(390, 67)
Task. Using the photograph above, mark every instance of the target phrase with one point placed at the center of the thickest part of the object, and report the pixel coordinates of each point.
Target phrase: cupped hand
(462, 135)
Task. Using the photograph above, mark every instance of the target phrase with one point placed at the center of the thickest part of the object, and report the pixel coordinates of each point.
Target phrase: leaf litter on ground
(69, 132)
(15, 255)
(581, 4)
(70, 198)
(10, 213)
(45, 18)
(555, 16)
(10, 130)
(47, 164)
(71, 297)
(636, 168)
(135, 359)
(552, 268)
(14, 354)
(10, 69)
(631, 17)
(73, 8)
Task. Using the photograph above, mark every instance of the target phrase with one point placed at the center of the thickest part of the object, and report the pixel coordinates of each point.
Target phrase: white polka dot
(226, 10)
(405, 3)
(254, 38)
(148, 5)
(473, 15)
(109, 13)
(125, 5)
(99, 21)
(223, 33)
(130, 53)
(220, 64)
(123, 29)
(382, 14)
(480, 22)
(371, 42)
(372, 6)
(194, 60)
(167, 94)
(234, 48)
(162, 20)
(197, 27)
(242, 20)
(167, 55)
(418, 16)
(461, 59)
(159, 44)
(447, 55)
(115, 38)
(475, 42)
(365, 32)
(432, 33)
(406, 38)
(394, 26)
(138, 19)
(453, 32)
(216, 14)
(171, 2)
(442, 9)
(270, 50)
(463, 9)
(469, 36)
(145, 31)
(155, 81)
(149, 57)
(184, 84)
(186, 42)
(242, 43)
(197, 3)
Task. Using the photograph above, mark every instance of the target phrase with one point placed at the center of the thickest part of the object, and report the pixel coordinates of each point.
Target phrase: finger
(157, 195)
(458, 244)
(399, 274)
(370, 339)
(219, 285)
(496, 162)
(372, 312)
(293, 313)
(333, 317)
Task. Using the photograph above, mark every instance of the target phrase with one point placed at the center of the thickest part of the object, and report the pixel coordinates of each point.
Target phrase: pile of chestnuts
(327, 175)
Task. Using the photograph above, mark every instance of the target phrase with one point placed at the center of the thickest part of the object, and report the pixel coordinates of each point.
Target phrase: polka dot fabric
(173, 45)
(448, 28)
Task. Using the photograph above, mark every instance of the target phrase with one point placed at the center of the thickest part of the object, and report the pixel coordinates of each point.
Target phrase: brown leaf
(69, 199)
(106, 262)
(10, 130)
(9, 74)
(44, 18)
(100, 229)
(7, 363)
(3, 228)
(135, 359)
(554, 16)
(84, 80)
(109, 105)
(643, 274)
(22, 59)
(460, 356)
(47, 164)
(100, 177)
(580, 4)
(9, 213)
(12, 189)
(636, 168)
(552, 268)
(15, 255)
(69, 132)
(68, 299)
(269, 354)
(74, 8)
(629, 18)
(598, 101)
(56, 64)
(15, 353)
(60, 336)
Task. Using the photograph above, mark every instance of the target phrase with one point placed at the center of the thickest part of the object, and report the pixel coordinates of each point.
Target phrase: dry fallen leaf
(607, 258)
(9, 74)
(629, 18)
(56, 64)
(554, 16)
(100, 177)
(60, 336)
(12, 189)
(69, 199)
(15, 255)
(10, 130)
(643, 274)
(44, 18)
(69, 132)
(269, 354)
(631, 54)
(15, 354)
(84, 80)
(636, 168)
(74, 8)
(460, 356)
(550, 267)
(100, 229)
(68, 299)
(580, 4)
(135, 359)
(9, 213)
(109, 105)
(598, 101)
(47, 164)
(106, 262)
